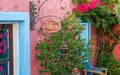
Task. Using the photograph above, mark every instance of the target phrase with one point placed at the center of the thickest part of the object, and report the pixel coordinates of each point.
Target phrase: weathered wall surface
(52, 7)
(14, 5)
(116, 50)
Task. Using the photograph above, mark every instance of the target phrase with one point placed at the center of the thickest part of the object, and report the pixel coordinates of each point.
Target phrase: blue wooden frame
(24, 38)
(88, 27)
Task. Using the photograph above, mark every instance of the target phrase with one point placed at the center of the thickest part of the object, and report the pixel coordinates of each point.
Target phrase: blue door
(85, 35)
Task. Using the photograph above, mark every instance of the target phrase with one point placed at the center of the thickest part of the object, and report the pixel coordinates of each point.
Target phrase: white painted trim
(15, 49)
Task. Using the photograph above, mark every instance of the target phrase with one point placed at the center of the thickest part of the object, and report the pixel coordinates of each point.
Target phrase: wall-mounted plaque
(51, 26)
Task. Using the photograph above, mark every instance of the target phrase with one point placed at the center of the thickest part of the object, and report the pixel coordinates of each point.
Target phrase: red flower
(102, 4)
(70, 28)
(93, 4)
(112, 6)
(74, 9)
(83, 8)
(79, 57)
(75, 70)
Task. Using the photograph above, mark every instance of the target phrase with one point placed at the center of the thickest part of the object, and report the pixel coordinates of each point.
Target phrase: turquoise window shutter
(85, 32)
(85, 35)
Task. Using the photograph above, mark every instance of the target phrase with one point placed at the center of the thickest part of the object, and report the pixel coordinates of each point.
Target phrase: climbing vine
(104, 16)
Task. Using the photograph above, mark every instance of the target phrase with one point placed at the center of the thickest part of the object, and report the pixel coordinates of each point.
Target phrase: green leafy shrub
(50, 55)
(103, 17)
(106, 59)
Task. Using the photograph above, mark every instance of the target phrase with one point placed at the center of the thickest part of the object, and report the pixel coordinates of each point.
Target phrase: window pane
(4, 68)
(4, 47)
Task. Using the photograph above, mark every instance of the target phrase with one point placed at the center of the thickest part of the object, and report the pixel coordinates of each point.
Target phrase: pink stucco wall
(51, 7)
(14, 5)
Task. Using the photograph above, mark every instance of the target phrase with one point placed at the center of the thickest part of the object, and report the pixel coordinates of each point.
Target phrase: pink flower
(102, 4)
(93, 4)
(95, 1)
(83, 8)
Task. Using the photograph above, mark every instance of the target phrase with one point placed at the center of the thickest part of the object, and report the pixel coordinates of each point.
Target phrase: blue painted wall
(24, 38)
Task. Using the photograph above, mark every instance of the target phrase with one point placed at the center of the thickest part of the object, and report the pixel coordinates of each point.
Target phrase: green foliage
(50, 56)
(77, 1)
(103, 18)
(80, 1)
(106, 59)
(106, 47)
(108, 2)
(117, 11)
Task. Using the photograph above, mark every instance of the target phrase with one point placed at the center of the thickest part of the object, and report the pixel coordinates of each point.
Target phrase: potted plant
(61, 54)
